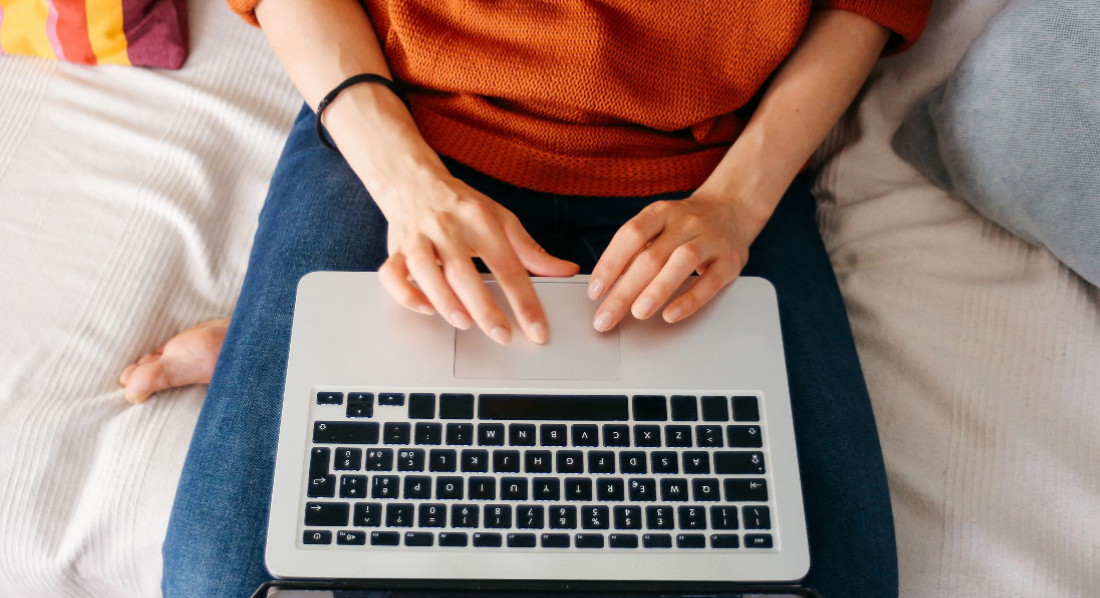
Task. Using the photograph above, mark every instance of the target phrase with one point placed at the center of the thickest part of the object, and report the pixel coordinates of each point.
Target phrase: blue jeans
(318, 216)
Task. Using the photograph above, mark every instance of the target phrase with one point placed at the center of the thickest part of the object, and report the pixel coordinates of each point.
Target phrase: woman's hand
(656, 251)
(437, 226)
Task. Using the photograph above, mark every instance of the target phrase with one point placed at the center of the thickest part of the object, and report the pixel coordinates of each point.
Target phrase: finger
(394, 275)
(534, 258)
(683, 261)
(627, 242)
(463, 277)
(641, 270)
(714, 278)
(518, 289)
(424, 267)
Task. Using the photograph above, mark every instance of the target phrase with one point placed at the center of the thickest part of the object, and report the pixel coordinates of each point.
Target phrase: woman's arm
(710, 232)
(436, 222)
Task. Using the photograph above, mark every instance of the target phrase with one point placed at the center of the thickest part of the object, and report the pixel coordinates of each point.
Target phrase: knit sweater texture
(596, 98)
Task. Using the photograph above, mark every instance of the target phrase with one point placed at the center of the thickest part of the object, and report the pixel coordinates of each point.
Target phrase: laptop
(652, 456)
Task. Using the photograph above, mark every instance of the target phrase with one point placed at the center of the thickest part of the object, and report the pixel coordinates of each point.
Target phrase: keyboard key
(746, 409)
(483, 488)
(744, 436)
(318, 461)
(696, 462)
(330, 398)
(385, 538)
(649, 408)
(552, 434)
(487, 539)
(563, 517)
(691, 541)
(442, 460)
(692, 517)
(380, 459)
(658, 517)
(547, 488)
(351, 538)
(588, 541)
(464, 516)
(410, 460)
(610, 489)
(506, 461)
(521, 434)
(384, 486)
(456, 406)
(432, 515)
(628, 517)
(421, 405)
(601, 462)
(460, 434)
(632, 462)
(570, 462)
(367, 514)
(490, 434)
(657, 541)
(555, 540)
(347, 459)
(453, 538)
(643, 489)
(498, 516)
(345, 432)
(595, 517)
(395, 433)
(647, 436)
(725, 541)
(418, 486)
(521, 540)
(616, 435)
(327, 513)
(312, 536)
(740, 462)
(746, 490)
(360, 404)
(715, 409)
(475, 461)
(585, 435)
(684, 408)
(553, 407)
(448, 488)
(578, 489)
(623, 541)
(674, 489)
(321, 487)
(705, 489)
(530, 517)
(665, 462)
(723, 517)
(756, 517)
(758, 540)
(391, 399)
(537, 462)
(419, 538)
(353, 486)
(708, 436)
(678, 436)
(513, 488)
(429, 433)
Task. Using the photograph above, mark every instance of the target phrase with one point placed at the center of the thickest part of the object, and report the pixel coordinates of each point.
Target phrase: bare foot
(188, 358)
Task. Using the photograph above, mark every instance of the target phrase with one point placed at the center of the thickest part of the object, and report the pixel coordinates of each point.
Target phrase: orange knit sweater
(602, 98)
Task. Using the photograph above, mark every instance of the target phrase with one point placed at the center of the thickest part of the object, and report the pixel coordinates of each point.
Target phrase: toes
(124, 377)
(144, 380)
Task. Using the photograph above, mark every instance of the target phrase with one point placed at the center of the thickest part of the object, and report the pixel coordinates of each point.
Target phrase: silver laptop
(653, 454)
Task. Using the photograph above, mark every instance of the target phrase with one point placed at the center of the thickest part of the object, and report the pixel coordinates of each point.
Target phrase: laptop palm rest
(575, 350)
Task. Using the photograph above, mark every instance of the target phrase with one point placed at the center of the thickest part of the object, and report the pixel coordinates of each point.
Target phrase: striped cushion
(150, 33)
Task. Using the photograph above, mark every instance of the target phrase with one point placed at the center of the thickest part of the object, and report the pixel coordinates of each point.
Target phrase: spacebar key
(345, 432)
(554, 407)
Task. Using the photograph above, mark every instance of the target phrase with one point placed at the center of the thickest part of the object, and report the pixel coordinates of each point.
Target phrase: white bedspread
(128, 199)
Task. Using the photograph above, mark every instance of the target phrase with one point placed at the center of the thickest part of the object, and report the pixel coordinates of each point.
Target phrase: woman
(638, 141)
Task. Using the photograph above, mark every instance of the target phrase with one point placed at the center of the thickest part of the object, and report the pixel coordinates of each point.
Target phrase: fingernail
(602, 321)
(673, 314)
(501, 335)
(460, 320)
(643, 308)
(537, 332)
(425, 309)
(595, 288)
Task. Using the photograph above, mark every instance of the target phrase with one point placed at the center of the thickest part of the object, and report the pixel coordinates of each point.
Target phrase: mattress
(128, 199)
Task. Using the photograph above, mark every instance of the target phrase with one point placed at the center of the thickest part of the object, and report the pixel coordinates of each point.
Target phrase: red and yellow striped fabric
(150, 33)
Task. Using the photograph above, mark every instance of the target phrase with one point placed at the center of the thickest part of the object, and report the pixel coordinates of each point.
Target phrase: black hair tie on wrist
(353, 80)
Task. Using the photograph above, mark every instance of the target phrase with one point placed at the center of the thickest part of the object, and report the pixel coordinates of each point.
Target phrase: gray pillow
(1015, 131)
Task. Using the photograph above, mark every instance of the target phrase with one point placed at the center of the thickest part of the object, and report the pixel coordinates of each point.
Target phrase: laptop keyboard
(526, 471)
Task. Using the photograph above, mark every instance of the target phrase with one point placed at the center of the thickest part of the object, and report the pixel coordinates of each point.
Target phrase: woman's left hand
(651, 256)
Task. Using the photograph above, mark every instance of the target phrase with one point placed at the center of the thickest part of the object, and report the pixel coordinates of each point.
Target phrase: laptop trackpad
(575, 350)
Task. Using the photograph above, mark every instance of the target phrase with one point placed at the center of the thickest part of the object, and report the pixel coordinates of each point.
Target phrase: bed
(128, 199)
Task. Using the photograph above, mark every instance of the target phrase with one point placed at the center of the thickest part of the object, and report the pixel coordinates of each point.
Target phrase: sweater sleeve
(906, 18)
(246, 9)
